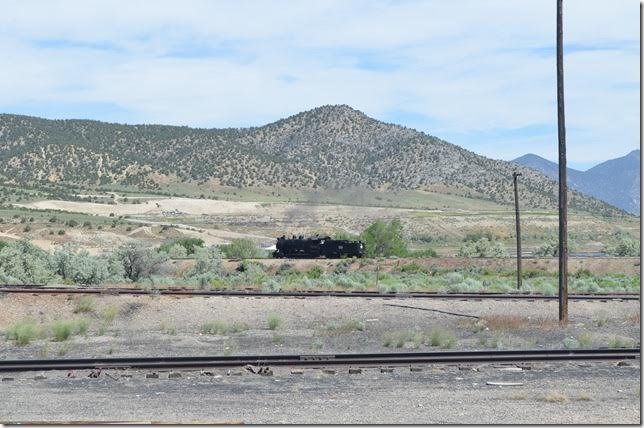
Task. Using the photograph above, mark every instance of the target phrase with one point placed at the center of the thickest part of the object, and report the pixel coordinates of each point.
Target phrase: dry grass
(584, 397)
(505, 322)
(547, 324)
(519, 396)
(555, 397)
(84, 304)
(345, 327)
(634, 319)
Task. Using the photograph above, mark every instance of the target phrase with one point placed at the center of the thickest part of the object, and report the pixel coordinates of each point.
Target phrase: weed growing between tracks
(414, 339)
(22, 332)
(222, 327)
(84, 304)
(273, 321)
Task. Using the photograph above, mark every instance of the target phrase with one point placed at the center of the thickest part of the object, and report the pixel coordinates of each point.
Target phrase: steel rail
(37, 289)
(321, 360)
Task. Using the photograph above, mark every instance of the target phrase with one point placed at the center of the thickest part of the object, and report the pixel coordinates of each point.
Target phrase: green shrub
(62, 330)
(274, 321)
(620, 342)
(342, 267)
(625, 247)
(570, 343)
(22, 332)
(440, 338)
(411, 268)
(286, 269)
(24, 262)
(427, 252)
(478, 235)
(315, 272)
(190, 245)
(138, 262)
(110, 314)
(84, 304)
(271, 286)
(585, 340)
(344, 327)
(79, 266)
(208, 260)
(222, 327)
(482, 248)
(241, 249)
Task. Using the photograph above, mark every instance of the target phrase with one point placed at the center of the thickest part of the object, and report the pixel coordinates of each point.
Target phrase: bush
(625, 247)
(271, 286)
(286, 269)
(22, 332)
(482, 248)
(427, 252)
(383, 239)
(478, 235)
(26, 263)
(190, 245)
(208, 261)
(79, 266)
(241, 249)
(62, 330)
(177, 251)
(550, 248)
(137, 261)
(570, 343)
(315, 272)
(84, 304)
(412, 268)
(273, 321)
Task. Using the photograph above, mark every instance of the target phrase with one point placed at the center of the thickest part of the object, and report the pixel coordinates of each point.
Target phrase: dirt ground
(165, 325)
(598, 393)
(147, 325)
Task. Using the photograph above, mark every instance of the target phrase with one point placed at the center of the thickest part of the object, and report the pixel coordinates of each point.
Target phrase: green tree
(137, 261)
(21, 261)
(383, 239)
(241, 249)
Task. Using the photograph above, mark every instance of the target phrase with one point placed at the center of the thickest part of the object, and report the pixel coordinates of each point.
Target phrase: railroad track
(356, 360)
(39, 289)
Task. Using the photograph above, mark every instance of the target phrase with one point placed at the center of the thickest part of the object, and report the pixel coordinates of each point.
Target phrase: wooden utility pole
(516, 211)
(563, 184)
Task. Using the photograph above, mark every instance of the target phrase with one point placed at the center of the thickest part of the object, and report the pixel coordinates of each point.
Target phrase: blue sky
(479, 73)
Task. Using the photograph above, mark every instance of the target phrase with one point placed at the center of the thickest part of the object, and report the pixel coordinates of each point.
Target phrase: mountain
(616, 181)
(329, 147)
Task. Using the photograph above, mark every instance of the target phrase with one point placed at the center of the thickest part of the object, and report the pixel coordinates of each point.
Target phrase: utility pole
(563, 184)
(516, 211)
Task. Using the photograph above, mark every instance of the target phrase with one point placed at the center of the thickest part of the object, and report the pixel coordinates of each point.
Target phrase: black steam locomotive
(316, 246)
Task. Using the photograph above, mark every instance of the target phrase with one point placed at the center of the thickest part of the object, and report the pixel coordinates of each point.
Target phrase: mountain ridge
(615, 181)
(331, 147)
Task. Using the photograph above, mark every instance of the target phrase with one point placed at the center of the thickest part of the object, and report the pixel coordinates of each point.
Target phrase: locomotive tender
(315, 247)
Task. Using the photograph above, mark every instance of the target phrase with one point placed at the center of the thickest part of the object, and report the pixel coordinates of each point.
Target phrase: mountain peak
(614, 181)
(328, 147)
